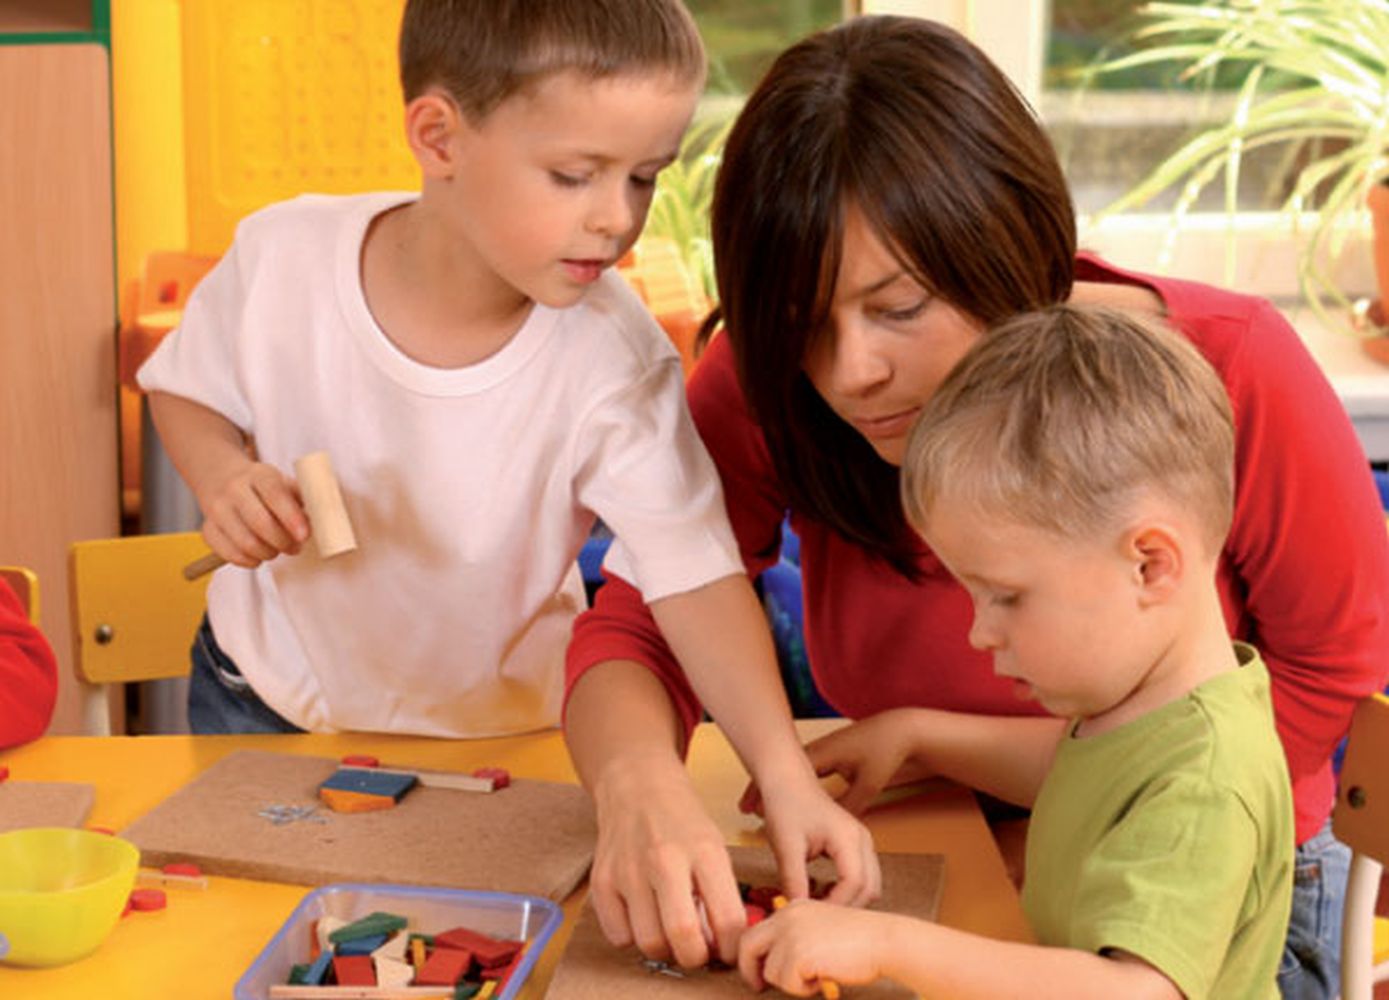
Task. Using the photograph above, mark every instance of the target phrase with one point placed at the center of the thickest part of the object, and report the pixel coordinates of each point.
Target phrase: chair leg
(1358, 929)
(96, 710)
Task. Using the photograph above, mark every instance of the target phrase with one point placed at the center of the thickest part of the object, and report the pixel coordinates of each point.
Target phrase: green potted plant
(1311, 78)
(672, 266)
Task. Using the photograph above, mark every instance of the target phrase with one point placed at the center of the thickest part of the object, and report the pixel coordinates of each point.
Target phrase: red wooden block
(444, 967)
(354, 970)
(500, 776)
(489, 951)
(361, 760)
(182, 868)
(4, 773)
(145, 900)
(762, 897)
(755, 914)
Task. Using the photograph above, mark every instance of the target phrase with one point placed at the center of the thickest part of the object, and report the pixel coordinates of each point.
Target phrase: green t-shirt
(1171, 838)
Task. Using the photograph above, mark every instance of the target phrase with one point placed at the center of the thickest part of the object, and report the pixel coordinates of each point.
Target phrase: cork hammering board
(44, 803)
(533, 837)
(592, 969)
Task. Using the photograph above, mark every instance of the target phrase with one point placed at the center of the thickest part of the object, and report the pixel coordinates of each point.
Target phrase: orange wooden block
(417, 953)
(354, 802)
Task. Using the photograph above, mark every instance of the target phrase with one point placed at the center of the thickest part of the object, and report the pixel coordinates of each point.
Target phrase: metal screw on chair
(1356, 798)
(104, 634)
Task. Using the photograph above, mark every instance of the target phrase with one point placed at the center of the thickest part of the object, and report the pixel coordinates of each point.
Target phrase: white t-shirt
(470, 490)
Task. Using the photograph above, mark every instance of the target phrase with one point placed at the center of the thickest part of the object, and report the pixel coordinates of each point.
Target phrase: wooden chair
(133, 613)
(1361, 820)
(25, 584)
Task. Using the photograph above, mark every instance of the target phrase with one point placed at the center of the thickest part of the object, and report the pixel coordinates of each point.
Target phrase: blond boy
(1075, 473)
(485, 386)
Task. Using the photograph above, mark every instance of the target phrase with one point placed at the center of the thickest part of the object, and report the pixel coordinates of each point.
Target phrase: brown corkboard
(44, 803)
(592, 969)
(533, 837)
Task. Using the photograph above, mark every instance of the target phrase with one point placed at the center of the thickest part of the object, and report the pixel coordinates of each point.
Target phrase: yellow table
(200, 945)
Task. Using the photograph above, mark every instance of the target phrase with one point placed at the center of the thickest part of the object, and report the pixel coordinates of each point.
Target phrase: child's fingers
(282, 504)
(752, 949)
(791, 865)
(860, 879)
(231, 539)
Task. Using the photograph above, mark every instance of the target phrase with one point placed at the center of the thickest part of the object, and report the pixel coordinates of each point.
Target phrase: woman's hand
(869, 755)
(661, 876)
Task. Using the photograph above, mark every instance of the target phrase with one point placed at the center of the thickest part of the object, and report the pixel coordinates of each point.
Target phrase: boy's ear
(1158, 558)
(432, 125)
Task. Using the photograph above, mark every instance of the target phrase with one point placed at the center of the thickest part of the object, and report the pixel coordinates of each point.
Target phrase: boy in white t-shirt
(485, 386)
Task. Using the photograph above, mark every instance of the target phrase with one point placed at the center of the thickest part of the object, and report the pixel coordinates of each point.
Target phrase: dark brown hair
(484, 51)
(912, 123)
(1059, 419)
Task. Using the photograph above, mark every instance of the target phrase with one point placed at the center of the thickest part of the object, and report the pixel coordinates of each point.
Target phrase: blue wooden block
(367, 781)
(361, 946)
(319, 969)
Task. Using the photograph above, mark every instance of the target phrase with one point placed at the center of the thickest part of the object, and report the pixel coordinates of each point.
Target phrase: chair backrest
(25, 585)
(1361, 821)
(133, 613)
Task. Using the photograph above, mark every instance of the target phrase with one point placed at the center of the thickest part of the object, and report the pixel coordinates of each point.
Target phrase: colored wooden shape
(148, 900)
(488, 951)
(499, 776)
(444, 967)
(372, 925)
(372, 781)
(393, 972)
(354, 802)
(318, 969)
(354, 970)
(394, 948)
(361, 760)
(417, 953)
(360, 946)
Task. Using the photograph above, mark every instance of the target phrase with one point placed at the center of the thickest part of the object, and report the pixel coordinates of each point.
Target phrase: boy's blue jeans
(1311, 968)
(220, 700)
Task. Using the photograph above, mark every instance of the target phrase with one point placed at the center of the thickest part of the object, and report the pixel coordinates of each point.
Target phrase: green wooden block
(299, 974)
(466, 990)
(372, 925)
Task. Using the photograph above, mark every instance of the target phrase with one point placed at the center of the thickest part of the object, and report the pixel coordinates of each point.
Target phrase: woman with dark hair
(885, 198)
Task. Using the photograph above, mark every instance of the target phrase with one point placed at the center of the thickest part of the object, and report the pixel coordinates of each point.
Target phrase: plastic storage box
(503, 915)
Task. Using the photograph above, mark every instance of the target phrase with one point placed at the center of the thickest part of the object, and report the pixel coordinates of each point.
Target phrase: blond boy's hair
(483, 51)
(1060, 418)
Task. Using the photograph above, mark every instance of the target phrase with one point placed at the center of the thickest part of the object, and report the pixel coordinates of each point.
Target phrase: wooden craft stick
(436, 779)
(332, 531)
(280, 991)
(829, 989)
(153, 876)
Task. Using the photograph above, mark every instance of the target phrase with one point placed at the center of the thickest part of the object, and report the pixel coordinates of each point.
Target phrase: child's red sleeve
(28, 674)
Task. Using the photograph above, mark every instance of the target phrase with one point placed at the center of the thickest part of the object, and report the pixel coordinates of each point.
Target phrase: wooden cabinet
(58, 440)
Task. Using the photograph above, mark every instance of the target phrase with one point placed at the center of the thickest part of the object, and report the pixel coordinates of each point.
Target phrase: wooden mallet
(332, 531)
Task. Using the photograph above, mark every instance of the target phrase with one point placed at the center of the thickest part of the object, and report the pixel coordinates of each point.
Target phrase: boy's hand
(658, 853)
(869, 755)
(809, 941)
(804, 822)
(254, 514)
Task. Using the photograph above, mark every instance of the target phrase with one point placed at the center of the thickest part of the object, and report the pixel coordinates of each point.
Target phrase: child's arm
(719, 634)
(809, 941)
(251, 510)
(1007, 757)
(28, 675)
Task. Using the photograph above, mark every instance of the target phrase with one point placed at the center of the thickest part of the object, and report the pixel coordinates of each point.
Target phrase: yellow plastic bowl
(61, 892)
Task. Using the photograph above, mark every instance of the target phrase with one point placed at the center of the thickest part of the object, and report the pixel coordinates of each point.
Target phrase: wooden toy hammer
(332, 531)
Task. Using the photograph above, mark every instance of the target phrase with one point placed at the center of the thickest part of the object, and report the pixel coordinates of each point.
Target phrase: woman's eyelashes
(904, 313)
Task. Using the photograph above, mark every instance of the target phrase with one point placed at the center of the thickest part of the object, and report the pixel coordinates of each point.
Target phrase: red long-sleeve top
(1304, 575)
(28, 674)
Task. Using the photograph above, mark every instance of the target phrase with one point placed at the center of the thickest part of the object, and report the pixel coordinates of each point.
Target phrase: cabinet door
(58, 438)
